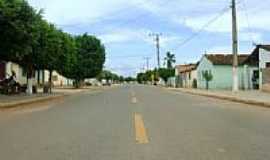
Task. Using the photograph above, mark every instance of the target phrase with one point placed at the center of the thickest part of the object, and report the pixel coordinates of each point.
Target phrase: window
(267, 64)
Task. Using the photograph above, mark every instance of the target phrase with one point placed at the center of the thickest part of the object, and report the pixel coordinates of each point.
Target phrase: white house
(260, 57)
(186, 75)
(40, 76)
(57, 79)
(7, 67)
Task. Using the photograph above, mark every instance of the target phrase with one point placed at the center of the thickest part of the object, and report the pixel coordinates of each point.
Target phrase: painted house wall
(222, 76)
(264, 57)
(188, 78)
(21, 76)
(185, 79)
(204, 65)
(58, 80)
(22, 79)
(171, 82)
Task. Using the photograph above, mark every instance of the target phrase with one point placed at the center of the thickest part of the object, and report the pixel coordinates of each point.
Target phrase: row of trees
(155, 75)
(30, 41)
(110, 76)
(164, 73)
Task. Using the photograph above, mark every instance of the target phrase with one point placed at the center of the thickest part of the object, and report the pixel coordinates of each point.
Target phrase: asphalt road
(136, 123)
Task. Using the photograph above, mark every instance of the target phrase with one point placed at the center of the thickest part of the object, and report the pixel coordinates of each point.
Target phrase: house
(7, 67)
(220, 66)
(41, 77)
(57, 79)
(171, 82)
(260, 57)
(186, 75)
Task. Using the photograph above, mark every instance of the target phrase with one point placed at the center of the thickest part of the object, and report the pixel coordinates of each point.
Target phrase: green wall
(222, 75)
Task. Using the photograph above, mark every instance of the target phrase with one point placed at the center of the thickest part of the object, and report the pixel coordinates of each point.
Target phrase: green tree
(19, 35)
(121, 79)
(130, 79)
(166, 73)
(170, 60)
(90, 56)
(17, 21)
(207, 75)
(88, 60)
(68, 60)
(52, 49)
(141, 78)
(29, 40)
(105, 75)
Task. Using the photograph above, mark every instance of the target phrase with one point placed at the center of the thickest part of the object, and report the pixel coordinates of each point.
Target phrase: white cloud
(251, 37)
(126, 69)
(195, 12)
(192, 13)
(255, 19)
(220, 49)
(127, 35)
(124, 35)
(80, 11)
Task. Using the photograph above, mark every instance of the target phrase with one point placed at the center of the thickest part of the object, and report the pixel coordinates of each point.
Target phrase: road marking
(134, 100)
(141, 136)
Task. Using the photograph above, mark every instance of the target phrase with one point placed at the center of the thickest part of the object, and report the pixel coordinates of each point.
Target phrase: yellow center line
(141, 136)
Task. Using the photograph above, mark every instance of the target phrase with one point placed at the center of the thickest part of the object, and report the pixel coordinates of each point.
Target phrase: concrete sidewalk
(248, 97)
(24, 99)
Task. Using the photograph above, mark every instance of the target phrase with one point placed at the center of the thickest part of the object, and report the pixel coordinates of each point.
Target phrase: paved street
(135, 122)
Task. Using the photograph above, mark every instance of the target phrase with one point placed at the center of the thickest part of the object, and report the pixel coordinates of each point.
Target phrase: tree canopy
(18, 21)
(90, 57)
(30, 41)
(170, 60)
(154, 75)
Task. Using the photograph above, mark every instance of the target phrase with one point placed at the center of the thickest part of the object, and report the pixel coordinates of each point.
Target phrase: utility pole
(157, 40)
(147, 63)
(234, 47)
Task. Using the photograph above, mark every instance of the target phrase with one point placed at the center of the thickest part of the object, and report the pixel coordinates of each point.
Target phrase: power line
(248, 22)
(194, 35)
(157, 40)
(147, 62)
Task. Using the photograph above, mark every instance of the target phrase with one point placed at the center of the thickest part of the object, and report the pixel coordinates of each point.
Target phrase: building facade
(260, 57)
(40, 77)
(186, 76)
(220, 66)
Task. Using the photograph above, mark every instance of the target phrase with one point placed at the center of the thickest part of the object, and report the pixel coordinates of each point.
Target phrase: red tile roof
(225, 59)
(186, 68)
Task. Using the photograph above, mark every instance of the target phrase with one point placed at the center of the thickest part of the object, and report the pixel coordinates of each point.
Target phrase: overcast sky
(124, 25)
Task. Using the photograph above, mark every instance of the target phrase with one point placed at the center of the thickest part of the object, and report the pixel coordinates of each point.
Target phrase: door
(255, 79)
(2, 70)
